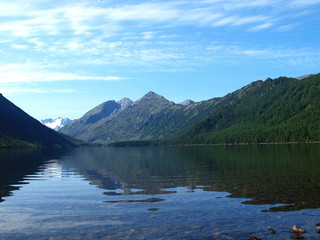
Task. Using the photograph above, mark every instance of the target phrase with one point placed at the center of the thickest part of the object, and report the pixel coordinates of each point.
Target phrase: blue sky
(64, 57)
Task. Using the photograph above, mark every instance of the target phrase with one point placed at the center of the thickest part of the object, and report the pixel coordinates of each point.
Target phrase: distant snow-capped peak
(57, 123)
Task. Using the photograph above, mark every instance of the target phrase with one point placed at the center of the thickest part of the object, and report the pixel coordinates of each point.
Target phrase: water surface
(217, 192)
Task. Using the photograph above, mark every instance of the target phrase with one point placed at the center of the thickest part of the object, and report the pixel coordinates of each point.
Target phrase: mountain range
(275, 110)
(151, 117)
(271, 111)
(18, 129)
(56, 123)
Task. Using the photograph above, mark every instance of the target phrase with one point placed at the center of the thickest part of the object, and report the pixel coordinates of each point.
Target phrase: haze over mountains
(274, 110)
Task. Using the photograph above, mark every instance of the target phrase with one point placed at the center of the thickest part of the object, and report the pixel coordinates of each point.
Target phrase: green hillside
(18, 129)
(274, 110)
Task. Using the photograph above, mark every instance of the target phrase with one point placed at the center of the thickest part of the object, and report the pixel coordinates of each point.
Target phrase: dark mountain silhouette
(18, 129)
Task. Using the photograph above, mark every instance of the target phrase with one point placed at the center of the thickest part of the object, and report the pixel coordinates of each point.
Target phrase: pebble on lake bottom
(153, 209)
(297, 229)
(217, 234)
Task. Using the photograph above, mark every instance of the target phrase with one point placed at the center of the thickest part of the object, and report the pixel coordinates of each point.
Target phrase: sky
(62, 58)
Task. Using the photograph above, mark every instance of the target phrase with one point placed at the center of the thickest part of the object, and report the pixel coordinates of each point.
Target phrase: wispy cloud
(14, 90)
(28, 19)
(13, 8)
(87, 20)
(299, 3)
(12, 77)
(261, 26)
(275, 53)
(28, 73)
(81, 23)
(80, 32)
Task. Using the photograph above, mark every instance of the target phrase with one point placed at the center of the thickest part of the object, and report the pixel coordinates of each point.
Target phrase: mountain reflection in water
(15, 164)
(203, 192)
(267, 174)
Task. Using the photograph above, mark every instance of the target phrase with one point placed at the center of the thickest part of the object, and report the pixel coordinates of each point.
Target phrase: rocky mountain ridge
(148, 118)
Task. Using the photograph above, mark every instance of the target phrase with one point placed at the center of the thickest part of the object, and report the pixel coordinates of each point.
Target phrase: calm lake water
(216, 192)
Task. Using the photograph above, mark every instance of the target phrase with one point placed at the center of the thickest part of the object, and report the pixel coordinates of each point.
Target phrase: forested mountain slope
(274, 110)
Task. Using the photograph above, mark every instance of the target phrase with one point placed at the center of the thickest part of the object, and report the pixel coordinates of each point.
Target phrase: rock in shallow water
(297, 229)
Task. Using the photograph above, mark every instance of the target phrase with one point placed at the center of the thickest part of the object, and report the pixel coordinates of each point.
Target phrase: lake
(200, 192)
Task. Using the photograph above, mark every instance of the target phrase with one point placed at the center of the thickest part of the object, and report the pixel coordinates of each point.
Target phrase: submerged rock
(297, 236)
(318, 229)
(253, 238)
(271, 230)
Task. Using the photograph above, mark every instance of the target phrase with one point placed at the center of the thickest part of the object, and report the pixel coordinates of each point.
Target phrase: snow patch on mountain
(57, 123)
